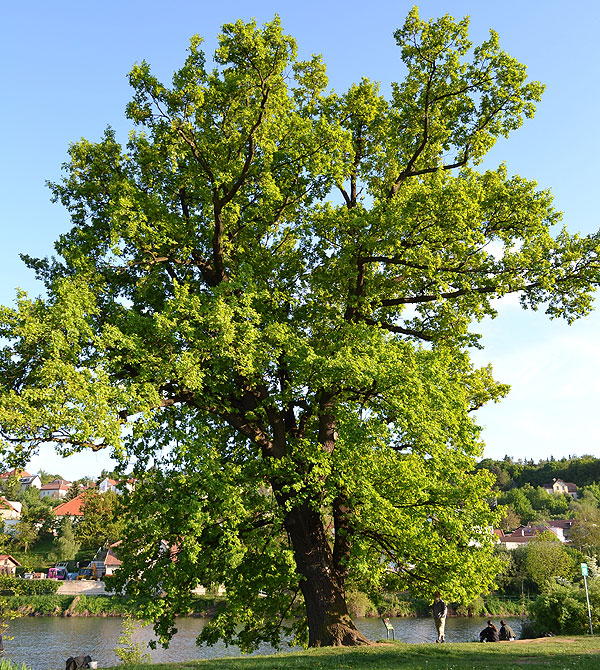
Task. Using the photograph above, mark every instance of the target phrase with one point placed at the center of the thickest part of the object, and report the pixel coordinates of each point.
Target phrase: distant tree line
(582, 470)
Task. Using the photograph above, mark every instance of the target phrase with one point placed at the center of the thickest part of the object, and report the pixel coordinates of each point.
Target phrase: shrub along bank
(560, 610)
(40, 598)
(27, 587)
(402, 605)
(82, 605)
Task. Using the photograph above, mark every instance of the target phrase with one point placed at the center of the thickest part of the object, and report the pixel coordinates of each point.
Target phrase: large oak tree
(265, 299)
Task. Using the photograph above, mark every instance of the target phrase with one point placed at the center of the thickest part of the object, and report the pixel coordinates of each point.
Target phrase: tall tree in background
(48, 478)
(546, 559)
(272, 288)
(26, 533)
(10, 487)
(64, 546)
(37, 514)
(102, 524)
(73, 491)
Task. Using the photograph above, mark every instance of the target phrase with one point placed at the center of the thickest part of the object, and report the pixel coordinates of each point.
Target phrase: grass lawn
(562, 653)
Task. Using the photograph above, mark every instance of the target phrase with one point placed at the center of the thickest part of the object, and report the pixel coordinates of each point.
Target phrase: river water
(44, 643)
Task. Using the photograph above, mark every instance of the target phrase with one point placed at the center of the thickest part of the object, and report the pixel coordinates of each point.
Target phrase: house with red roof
(524, 534)
(73, 509)
(111, 562)
(108, 484)
(56, 489)
(24, 478)
(106, 560)
(14, 473)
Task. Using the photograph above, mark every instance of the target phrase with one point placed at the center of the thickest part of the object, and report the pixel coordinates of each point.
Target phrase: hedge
(28, 587)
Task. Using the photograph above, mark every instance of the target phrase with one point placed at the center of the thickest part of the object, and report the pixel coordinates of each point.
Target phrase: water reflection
(423, 630)
(44, 643)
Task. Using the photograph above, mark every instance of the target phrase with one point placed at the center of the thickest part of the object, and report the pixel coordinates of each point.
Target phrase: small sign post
(584, 572)
(389, 629)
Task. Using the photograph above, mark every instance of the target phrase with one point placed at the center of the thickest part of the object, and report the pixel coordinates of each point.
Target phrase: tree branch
(392, 328)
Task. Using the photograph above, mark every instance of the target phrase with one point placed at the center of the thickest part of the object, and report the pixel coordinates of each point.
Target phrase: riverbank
(402, 605)
(90, 599)
(92, 605)
(571, 653)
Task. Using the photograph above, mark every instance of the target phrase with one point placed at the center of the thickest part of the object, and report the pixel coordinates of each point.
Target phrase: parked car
(57, 573)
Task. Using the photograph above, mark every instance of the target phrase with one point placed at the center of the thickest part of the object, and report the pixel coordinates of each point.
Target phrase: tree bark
(329, 623)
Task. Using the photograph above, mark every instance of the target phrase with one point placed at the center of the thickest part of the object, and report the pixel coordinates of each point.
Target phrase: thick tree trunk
(329, 623)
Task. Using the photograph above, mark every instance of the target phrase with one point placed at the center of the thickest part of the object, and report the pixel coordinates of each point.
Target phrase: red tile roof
(111, 559)
(72, 507)
(57, 484)
(7, 503)
(524, 534)
(14, 473)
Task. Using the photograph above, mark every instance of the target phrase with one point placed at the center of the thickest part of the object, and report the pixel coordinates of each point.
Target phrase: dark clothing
(489, 634)
(439, 610)
(507, 633)
(77, 662)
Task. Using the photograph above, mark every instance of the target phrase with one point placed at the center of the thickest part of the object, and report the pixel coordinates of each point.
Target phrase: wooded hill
(583, 471)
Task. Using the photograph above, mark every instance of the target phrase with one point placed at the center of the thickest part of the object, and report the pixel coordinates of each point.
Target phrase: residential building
(13, 473)
(524, 534)
(8, 564)
(112, 563)
(23, 477)
(30, 481)
(56, 489)
(106, 561)
(108, 484)
(73, 509)
(559, 486)
(10, 514)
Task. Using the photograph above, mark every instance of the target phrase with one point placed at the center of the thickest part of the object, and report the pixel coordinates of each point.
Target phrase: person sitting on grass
(489, 633)
(506, 632)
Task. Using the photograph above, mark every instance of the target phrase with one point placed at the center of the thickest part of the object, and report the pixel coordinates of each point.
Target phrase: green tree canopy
(26, 533)
(102, 522)
(585, 533)
(73, 491)
(546, 559)
(10, 488)
(47, 478)
(266, 298)
(518, 501)
(64, 546)
(37, 518)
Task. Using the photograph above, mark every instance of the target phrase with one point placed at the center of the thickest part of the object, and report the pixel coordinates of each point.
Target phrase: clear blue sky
(63, 69)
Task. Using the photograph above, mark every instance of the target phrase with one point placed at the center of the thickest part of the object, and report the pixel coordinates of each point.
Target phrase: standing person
(439, 610)
(489, 633)
(506, 632)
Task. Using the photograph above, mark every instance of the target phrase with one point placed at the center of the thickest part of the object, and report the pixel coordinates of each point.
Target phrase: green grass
(559, 653)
